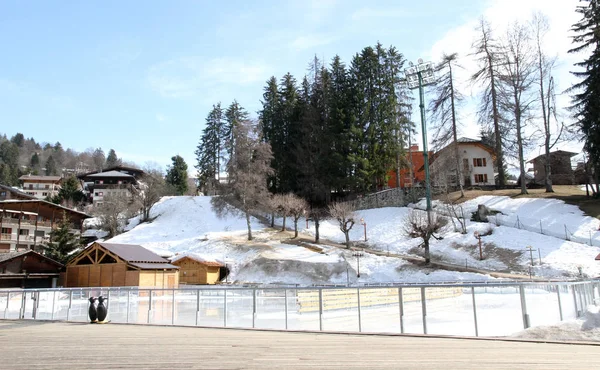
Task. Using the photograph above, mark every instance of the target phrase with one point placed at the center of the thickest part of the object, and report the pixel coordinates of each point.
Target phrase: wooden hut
(28, 269)
(195, 270)
(108, 264)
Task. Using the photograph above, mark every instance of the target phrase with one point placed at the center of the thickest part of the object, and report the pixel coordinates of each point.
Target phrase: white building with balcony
(40, 187)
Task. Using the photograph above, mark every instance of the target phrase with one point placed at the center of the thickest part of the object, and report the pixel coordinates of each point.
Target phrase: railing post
(173, 307)
(70, 304)
(475, 312)
(359, 313)
(559, 302)
(7, 303)
(22, 308)
(34, 296)
(524, 307)
(197, 305)
(401, 308)
(53, 305)
(225, 308)
(285, 296)
(321, 309)
(254, 307)
(149, 305)
(424, 309)
(575, 300)
(128, 303)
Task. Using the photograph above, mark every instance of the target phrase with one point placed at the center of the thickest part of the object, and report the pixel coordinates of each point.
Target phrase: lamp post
(362, 222)
(357, 255)
(417, 77)
(478, 236)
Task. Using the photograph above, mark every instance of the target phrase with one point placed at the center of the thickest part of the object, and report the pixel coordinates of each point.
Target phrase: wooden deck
(47, 345)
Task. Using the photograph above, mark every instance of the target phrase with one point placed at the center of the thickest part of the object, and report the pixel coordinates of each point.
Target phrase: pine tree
(34, 164)
(112, 160)
(62, 241)
(487, 54)
(248, 169)
(234, 115)
(69, 194)
(9, 163)
(99, 159)
(443, 110)
(177, 175)
(51, 166)
(209, 150)
(586, 95)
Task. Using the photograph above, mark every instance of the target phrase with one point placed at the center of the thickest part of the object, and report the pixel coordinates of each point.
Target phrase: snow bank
(586, 329)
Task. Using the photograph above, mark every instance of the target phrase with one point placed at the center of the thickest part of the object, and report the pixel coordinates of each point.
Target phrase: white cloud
(188, 76)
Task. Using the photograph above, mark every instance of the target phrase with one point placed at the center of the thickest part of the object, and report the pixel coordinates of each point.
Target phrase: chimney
(414, 148)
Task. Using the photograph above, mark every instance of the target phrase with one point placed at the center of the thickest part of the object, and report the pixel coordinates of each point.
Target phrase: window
(479, 162)
(23, 232)
(44, 194)
(100, 194)
(47, 186)
(481, 178)
(2, 193)
(96, 194)
(6, 230)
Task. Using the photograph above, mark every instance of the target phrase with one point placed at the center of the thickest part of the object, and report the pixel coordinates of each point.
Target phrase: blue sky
(141, 76)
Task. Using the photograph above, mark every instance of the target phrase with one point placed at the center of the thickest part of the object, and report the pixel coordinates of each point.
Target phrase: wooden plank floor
(47, 345)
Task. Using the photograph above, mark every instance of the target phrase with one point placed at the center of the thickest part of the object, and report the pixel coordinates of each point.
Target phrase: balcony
(5, 221)
(5, 236)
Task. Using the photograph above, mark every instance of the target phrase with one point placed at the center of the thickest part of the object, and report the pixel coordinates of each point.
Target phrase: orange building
(415, 159)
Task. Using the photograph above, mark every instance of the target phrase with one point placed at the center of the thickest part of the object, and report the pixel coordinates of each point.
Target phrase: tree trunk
(521, 158)
(347, 233)
(459, 179)
(272, 219)
(284, 218)
(317, 229)
(496, 117)
(249, 227)
(427, 255)
(295, 227)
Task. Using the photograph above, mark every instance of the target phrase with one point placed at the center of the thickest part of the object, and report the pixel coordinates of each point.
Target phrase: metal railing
(445, 309)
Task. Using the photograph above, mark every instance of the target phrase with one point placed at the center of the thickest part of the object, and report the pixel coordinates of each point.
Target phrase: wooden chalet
(196, 271)
(28, 269)
(561, 171)
(8, 193)
(27, 223)
(109, 264)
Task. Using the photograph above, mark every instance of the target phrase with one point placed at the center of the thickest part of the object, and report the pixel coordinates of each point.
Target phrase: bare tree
(517, 73)
(456, 213)
(113, 213)
(345, 216)
(487, 55)
(443, 110)
(296, 207)
(417, 225)
(545, 65)
(152, 188)
(248, 168)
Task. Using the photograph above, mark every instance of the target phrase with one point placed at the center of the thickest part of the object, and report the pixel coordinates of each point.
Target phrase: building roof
(9, 202)
(4, 257)
(598, 257)
(110, 174)
(556, 152)
(137, 255)
(196, 258)
(122, 169)
(18, 192)
(467, 140)
(40, 178)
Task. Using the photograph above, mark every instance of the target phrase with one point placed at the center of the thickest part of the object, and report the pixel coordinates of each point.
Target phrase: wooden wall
(159, 278)
(97, 275)
(194, 272)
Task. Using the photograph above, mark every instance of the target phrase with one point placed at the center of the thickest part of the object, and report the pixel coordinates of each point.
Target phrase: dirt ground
(570, 194)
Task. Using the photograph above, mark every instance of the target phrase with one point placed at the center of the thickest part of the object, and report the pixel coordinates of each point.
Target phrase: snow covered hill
(188, 225)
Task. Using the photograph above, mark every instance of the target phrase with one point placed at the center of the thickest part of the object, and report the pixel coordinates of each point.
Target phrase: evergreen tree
(112, 160)
(586, 95)
(234, 115)
(18, 140)
(69, 195)
(99, 159)
(62, 242)
(248, 169)
(271, 126)
(177, 175)
(208, 152)
(9, 163)
(34, 164)
(51, 169)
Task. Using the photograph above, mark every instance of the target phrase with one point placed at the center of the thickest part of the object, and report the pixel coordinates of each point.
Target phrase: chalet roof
(555, 153)
(196, 258)
(40, 178)
(110, 174)
(467, 140)
(4, 257)
(598, 257)
(9, 202)
(17, 192)
(137, 255)
(122, 169)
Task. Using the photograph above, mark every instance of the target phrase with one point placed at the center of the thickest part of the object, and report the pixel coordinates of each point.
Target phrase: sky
(141, 76)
